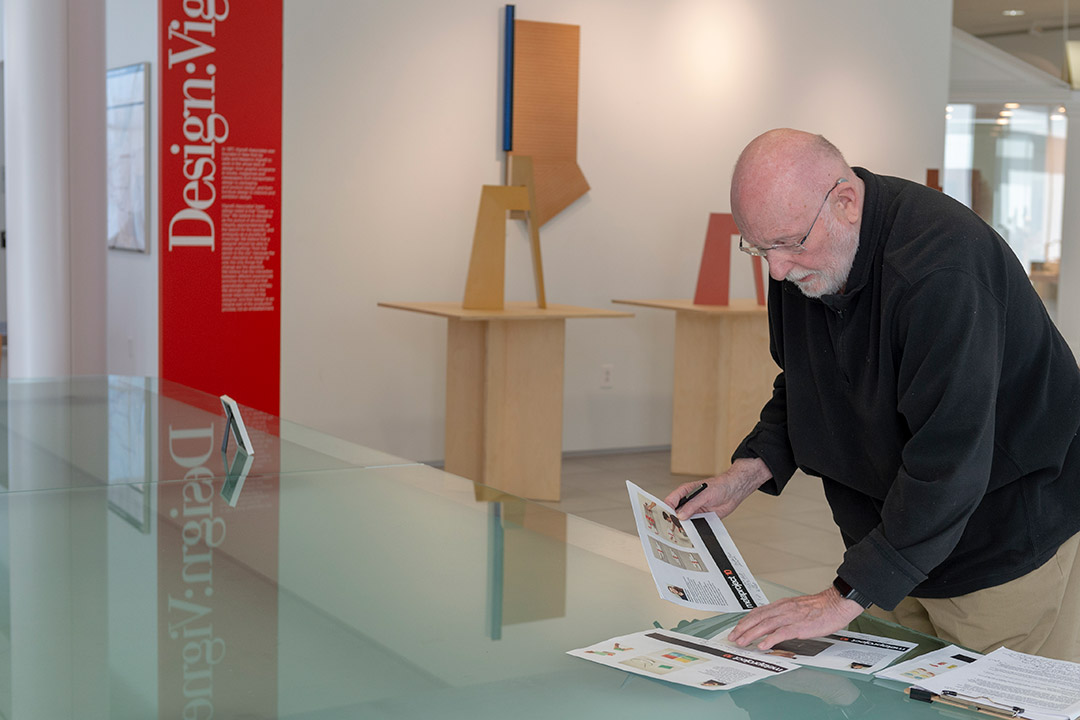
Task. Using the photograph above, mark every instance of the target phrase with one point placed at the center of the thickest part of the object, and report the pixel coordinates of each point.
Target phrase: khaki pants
(1038, 613)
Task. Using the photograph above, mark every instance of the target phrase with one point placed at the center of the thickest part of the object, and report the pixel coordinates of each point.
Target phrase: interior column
(54, 130)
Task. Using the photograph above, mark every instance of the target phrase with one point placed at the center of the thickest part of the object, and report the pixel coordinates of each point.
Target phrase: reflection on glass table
(353, 592)
(128, 432)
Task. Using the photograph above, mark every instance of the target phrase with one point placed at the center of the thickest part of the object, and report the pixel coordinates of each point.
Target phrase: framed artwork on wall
(128, 140)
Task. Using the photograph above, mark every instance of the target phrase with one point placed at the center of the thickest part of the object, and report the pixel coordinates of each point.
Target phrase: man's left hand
(807, 616)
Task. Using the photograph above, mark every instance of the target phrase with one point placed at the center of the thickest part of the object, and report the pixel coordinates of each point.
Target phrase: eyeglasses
(794, 248)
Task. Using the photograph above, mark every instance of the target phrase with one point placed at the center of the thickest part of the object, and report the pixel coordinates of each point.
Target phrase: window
(1007, 163)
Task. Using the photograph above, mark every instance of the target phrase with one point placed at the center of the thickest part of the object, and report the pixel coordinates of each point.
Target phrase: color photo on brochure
(843, 650)
(682, 659)
(694, 564)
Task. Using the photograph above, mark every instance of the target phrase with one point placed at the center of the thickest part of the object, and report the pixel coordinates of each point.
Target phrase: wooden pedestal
(504, 391)
(723, 377)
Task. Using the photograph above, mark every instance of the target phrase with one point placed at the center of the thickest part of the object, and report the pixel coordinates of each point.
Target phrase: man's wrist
(849, 593)
(751, 473)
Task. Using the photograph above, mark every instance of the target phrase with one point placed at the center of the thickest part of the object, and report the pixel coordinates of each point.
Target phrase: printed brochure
(694, 563)
(682, 659)
(841, 650)
(932, 664)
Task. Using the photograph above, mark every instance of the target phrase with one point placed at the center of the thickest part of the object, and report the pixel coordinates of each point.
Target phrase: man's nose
(778, 266)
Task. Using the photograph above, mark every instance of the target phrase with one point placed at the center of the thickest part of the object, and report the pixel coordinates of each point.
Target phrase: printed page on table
(841, 650)
(1037, 687)
(682, 659)
(694, 563)
(928, 665)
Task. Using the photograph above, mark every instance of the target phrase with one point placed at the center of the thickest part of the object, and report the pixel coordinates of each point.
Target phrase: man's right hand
(725, 491)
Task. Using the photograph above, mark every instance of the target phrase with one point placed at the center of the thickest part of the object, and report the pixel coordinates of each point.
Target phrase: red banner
(220, 206)
(217, 548)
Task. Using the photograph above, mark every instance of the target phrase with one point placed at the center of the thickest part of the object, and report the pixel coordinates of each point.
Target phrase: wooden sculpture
(544, 111)
(714, 276)
(485, 286)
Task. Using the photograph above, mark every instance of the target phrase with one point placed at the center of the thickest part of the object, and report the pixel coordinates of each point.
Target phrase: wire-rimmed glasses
(794, 248)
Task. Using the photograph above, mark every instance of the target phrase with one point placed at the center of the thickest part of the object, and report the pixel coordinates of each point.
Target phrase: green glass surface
(396, 591)
(94, 430)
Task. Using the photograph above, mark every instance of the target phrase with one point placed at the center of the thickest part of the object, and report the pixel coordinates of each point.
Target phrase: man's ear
(850, 204)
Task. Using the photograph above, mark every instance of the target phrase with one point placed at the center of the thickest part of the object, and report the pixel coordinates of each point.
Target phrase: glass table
(332, 581)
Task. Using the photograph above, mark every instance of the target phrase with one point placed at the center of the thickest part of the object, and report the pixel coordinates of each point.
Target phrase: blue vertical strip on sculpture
(508, 82)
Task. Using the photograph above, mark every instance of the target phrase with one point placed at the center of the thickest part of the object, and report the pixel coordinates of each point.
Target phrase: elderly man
(923, 381)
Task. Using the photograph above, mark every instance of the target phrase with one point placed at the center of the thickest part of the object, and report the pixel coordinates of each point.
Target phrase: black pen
(693, 494)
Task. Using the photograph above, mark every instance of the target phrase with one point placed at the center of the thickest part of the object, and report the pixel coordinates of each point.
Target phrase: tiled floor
(789, 540)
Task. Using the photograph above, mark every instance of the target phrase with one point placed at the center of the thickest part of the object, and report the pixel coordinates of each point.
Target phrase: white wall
(131, 37)
(392, 124)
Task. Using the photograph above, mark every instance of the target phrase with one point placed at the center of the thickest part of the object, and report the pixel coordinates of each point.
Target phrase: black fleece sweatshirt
(935, 399)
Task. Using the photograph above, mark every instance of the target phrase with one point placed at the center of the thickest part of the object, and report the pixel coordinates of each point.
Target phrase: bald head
(785, 184)
(778, 175)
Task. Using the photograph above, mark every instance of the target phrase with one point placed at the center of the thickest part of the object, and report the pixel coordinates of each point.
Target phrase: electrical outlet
(607, 376)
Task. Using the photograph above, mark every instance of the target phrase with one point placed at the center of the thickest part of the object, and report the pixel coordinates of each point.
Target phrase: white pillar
(1068, 300)
(58, 559)
(54, 129)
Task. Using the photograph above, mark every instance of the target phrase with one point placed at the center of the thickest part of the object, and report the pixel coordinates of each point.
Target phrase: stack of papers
(696, 564)
(1012, 682)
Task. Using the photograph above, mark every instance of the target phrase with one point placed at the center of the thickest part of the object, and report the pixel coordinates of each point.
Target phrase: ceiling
(984, 18)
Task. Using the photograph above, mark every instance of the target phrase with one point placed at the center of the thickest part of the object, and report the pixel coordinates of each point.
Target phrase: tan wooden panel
(546, 64)
(484, 287)
(521, 173)
(523, 407)
(723, 377)
(696, 395)
(504, 389)
(750, 376)
(465, 369)
(558, 184)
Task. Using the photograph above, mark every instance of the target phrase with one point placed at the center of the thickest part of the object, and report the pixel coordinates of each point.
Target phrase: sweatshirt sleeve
(769, 438)
(949, 341)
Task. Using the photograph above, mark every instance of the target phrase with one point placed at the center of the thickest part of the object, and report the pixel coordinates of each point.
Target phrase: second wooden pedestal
(723, 376)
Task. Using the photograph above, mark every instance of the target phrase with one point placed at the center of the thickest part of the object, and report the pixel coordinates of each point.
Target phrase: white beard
(831, 279)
